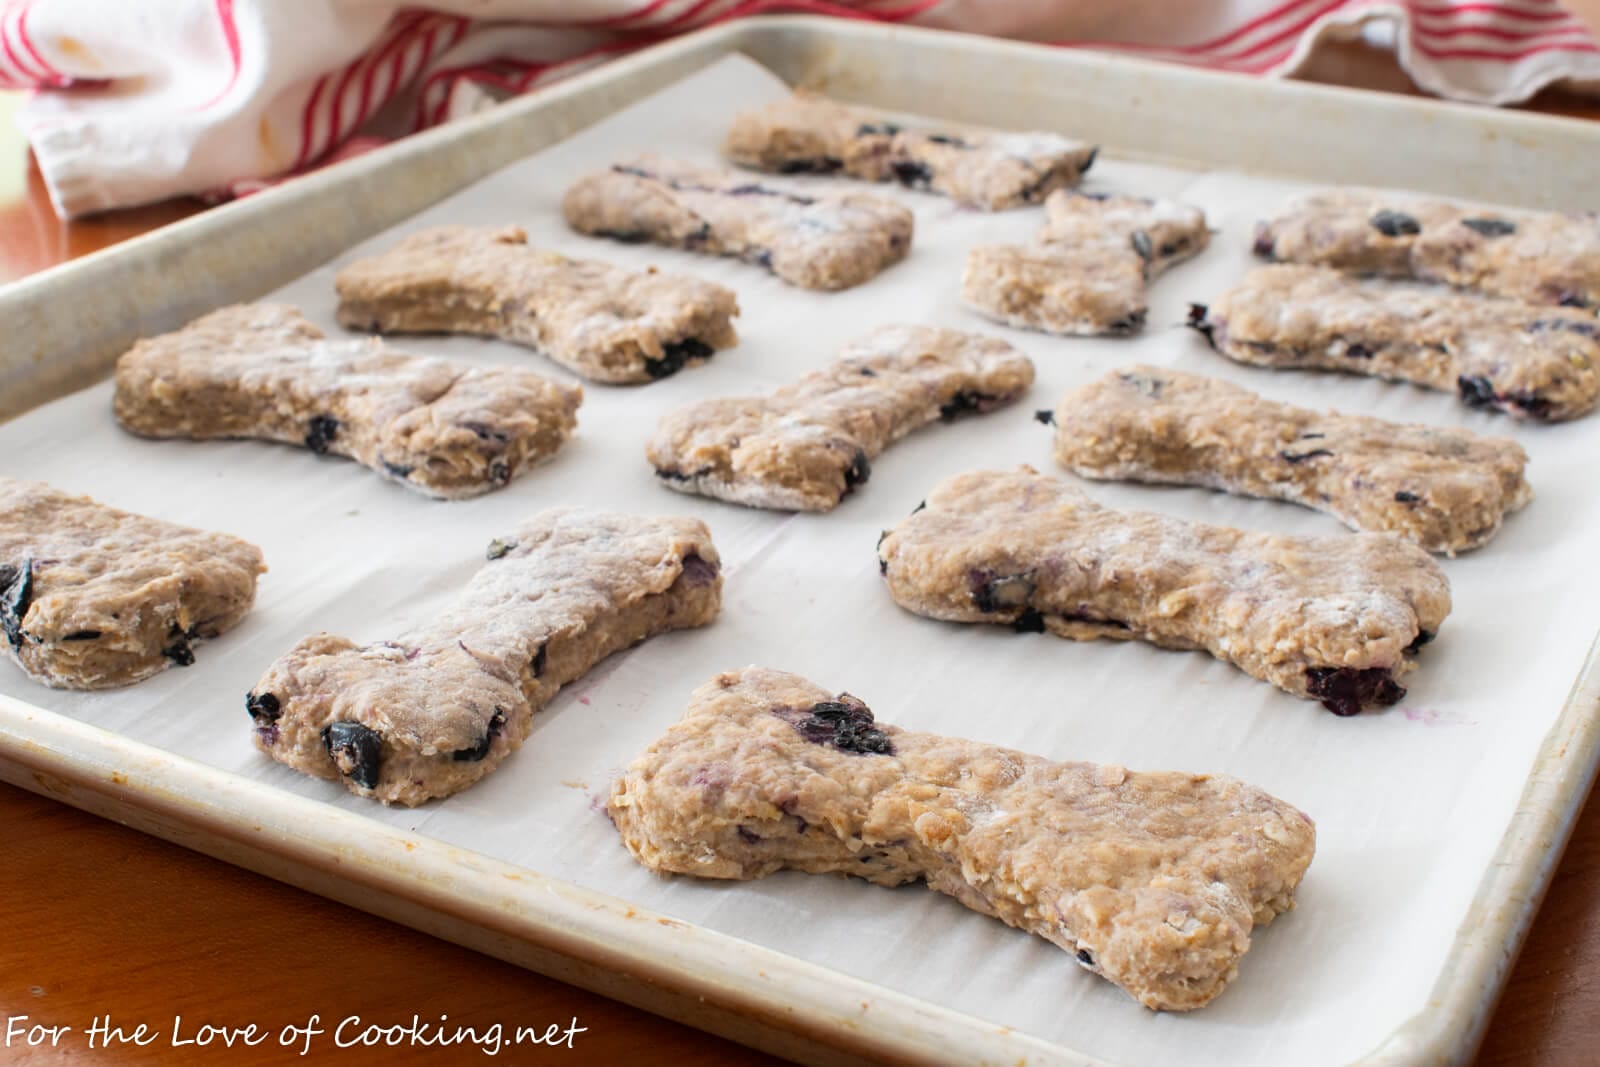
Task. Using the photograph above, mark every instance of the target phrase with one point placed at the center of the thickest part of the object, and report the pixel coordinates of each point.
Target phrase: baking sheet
(1410, 803)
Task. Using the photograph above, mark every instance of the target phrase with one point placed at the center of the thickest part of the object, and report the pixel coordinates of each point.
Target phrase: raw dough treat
(813, 240)
(605, 323)
(990, 170)
(263, 371)
(1152, 880)
(1544, 258)
(1447, 490)
(805, 446)
(93, 598)
(1529, 361)
(1087, 271)
(1335, 619)
(430, 713)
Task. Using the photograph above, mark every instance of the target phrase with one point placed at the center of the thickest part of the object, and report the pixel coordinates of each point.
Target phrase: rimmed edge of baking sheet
(158, 281)
(745, 992)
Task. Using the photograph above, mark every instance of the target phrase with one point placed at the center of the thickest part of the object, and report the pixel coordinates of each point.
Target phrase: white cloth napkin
(139, 101)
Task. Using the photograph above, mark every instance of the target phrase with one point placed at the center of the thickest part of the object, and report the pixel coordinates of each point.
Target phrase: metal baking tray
(65, 326)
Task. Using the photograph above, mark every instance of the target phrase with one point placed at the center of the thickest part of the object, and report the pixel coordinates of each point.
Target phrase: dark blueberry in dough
(536, 668)
(1569, 299)
(1531, 404)
(846, 724)
(1141, 245)
(178, 651)
(472, 755)
(1086, 957)
(868, 372)
(395, 470)
(1476, 391)
(1029, 622)
(877, 129)
(1582, 329)
(1423, 637)
(816, 165)
(1150, 387)
(1130, 323)
(757, 189)
(1358, 352)
(498, 548)
(962, 403)
(1172, 248)
(858, 471)
(747, 837)
(320, 432)
(911, 173)
(355, 750)
(1346, 690)
(667, 474)
(1045, 417)
(1395, 224)
(263, 707)
(82, 635)
(675, 355)
(1263, 245)
(1490, 227)
(762, 258)
(697, 570)
(1301, 457)
(1311, 437)
(499, 473)
(1403, 497)
(16, 594)
(1002, 593)
(485, 432)
(945, 139)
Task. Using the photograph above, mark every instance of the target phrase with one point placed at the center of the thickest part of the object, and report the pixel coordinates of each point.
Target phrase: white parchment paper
(1410, 802)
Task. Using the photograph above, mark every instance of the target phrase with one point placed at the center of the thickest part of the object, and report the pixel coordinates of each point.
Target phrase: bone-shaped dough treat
(805, 446)
(92, 597)
(1541, 257)
(1087, 271)
(808, 134)
(1334, 619)
(603, 322)
(263, 371)
(1447, 490)
(1151, 880)
(1526, 360)
(814, 240)
(433, 711)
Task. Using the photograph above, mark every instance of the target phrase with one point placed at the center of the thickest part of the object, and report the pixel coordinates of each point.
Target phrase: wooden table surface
(102, 921)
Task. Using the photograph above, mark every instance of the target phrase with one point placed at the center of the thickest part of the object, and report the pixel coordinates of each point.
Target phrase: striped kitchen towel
(139, 101)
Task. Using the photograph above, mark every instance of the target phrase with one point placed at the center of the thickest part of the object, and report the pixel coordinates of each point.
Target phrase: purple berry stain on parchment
(1435, 717)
